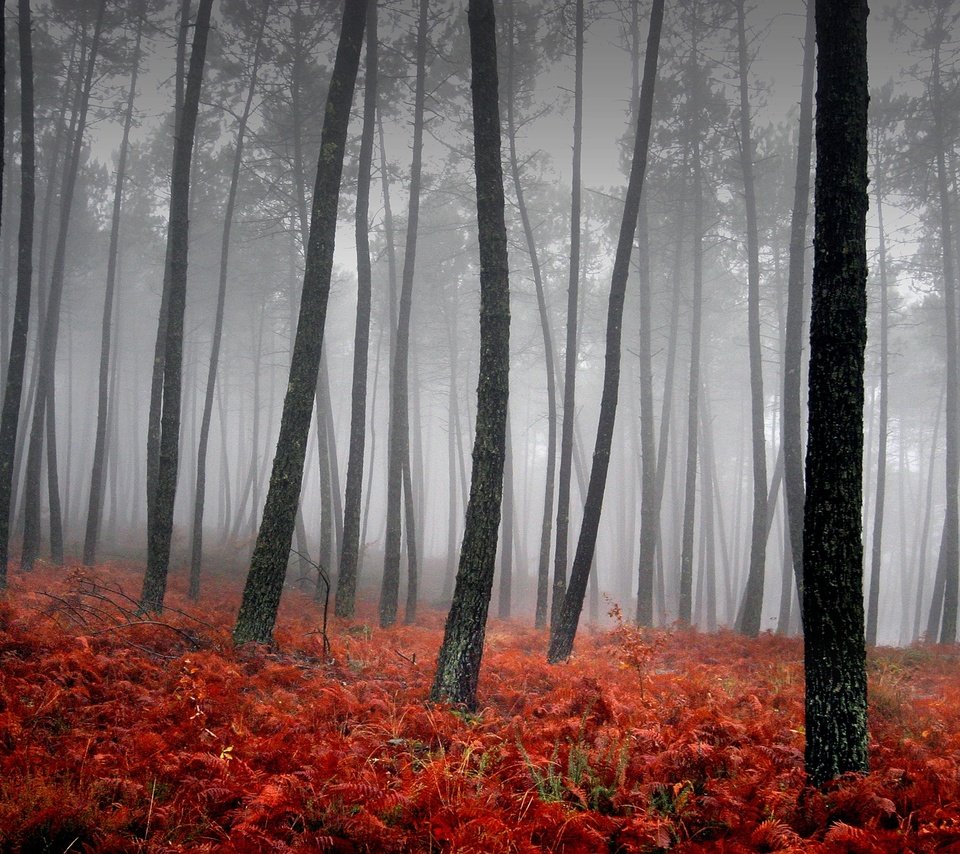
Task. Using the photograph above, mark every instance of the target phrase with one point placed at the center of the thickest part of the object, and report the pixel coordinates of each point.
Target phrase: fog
(266, 267)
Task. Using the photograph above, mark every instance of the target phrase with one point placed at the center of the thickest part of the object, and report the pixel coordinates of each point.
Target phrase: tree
(261, 594)
(350, 549)
(834, 650)
(98, 474)
(791, 422)
(13, 389)
(398, 449)
(160, 520)
(564, 626)
(570, 357)
(43, 423)
(748, 620)
(458, 664)
(196, 546)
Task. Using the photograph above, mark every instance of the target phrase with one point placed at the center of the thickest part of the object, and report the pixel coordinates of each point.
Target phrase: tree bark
(834, 650)
(261, 595)
(458, 664)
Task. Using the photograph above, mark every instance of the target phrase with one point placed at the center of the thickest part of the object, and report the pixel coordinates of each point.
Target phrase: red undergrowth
(160, 737)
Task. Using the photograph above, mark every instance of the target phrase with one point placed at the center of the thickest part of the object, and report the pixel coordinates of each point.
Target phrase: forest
(505, 425)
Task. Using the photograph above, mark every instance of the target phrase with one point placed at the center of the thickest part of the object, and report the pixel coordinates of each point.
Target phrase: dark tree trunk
(44, 399)
(570, 356)
(399, 443)
(748, 621)
(458, 665)
(834, 652)
(98, 474)
(546, 525)
(196, 546)
(261, 595)
(506, 550)
(791, 422)
(160, 527)
(350, 548)
(13, 389)
(564, 627)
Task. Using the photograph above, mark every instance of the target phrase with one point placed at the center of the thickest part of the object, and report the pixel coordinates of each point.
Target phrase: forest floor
(117, 735)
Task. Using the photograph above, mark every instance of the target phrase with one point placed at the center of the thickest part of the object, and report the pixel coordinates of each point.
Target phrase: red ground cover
(118, 737)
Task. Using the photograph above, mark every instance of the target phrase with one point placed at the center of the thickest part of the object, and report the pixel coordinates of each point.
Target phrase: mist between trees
(705, 447)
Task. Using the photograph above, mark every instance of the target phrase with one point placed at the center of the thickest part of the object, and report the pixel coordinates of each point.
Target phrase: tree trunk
(98, 474)
(791, 422)
(834, 651)
(399, 443)
(748, 621)
(350, 548)
(160, 527)
(196, 548)
(546, 525)
(261, 595)
(13, 388)
(458, 664)
(47, 343)
(564, 627)
(873, 603)
(693, 399)
(570, 357)
(506, 551)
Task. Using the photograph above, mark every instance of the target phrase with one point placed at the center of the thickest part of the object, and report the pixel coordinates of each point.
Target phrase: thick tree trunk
(564, 627)
(834, 651)
(350, 548)
(161, 525)
(261, 595)
(458, 664)
(98, 474)
(13, 388)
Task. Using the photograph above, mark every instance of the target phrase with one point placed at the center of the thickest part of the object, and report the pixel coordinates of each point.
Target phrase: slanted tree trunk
(13, 388)
(570, 356)
(564, 627)
(350, 548)
(196, 546)
(261, 595)
(791, 420)
(834, 651)
(47, 343)
(399, 442)
(546, 525)
(506, 550)
(748, 621)
(98, 474)
(160, 527)
(458, 664)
